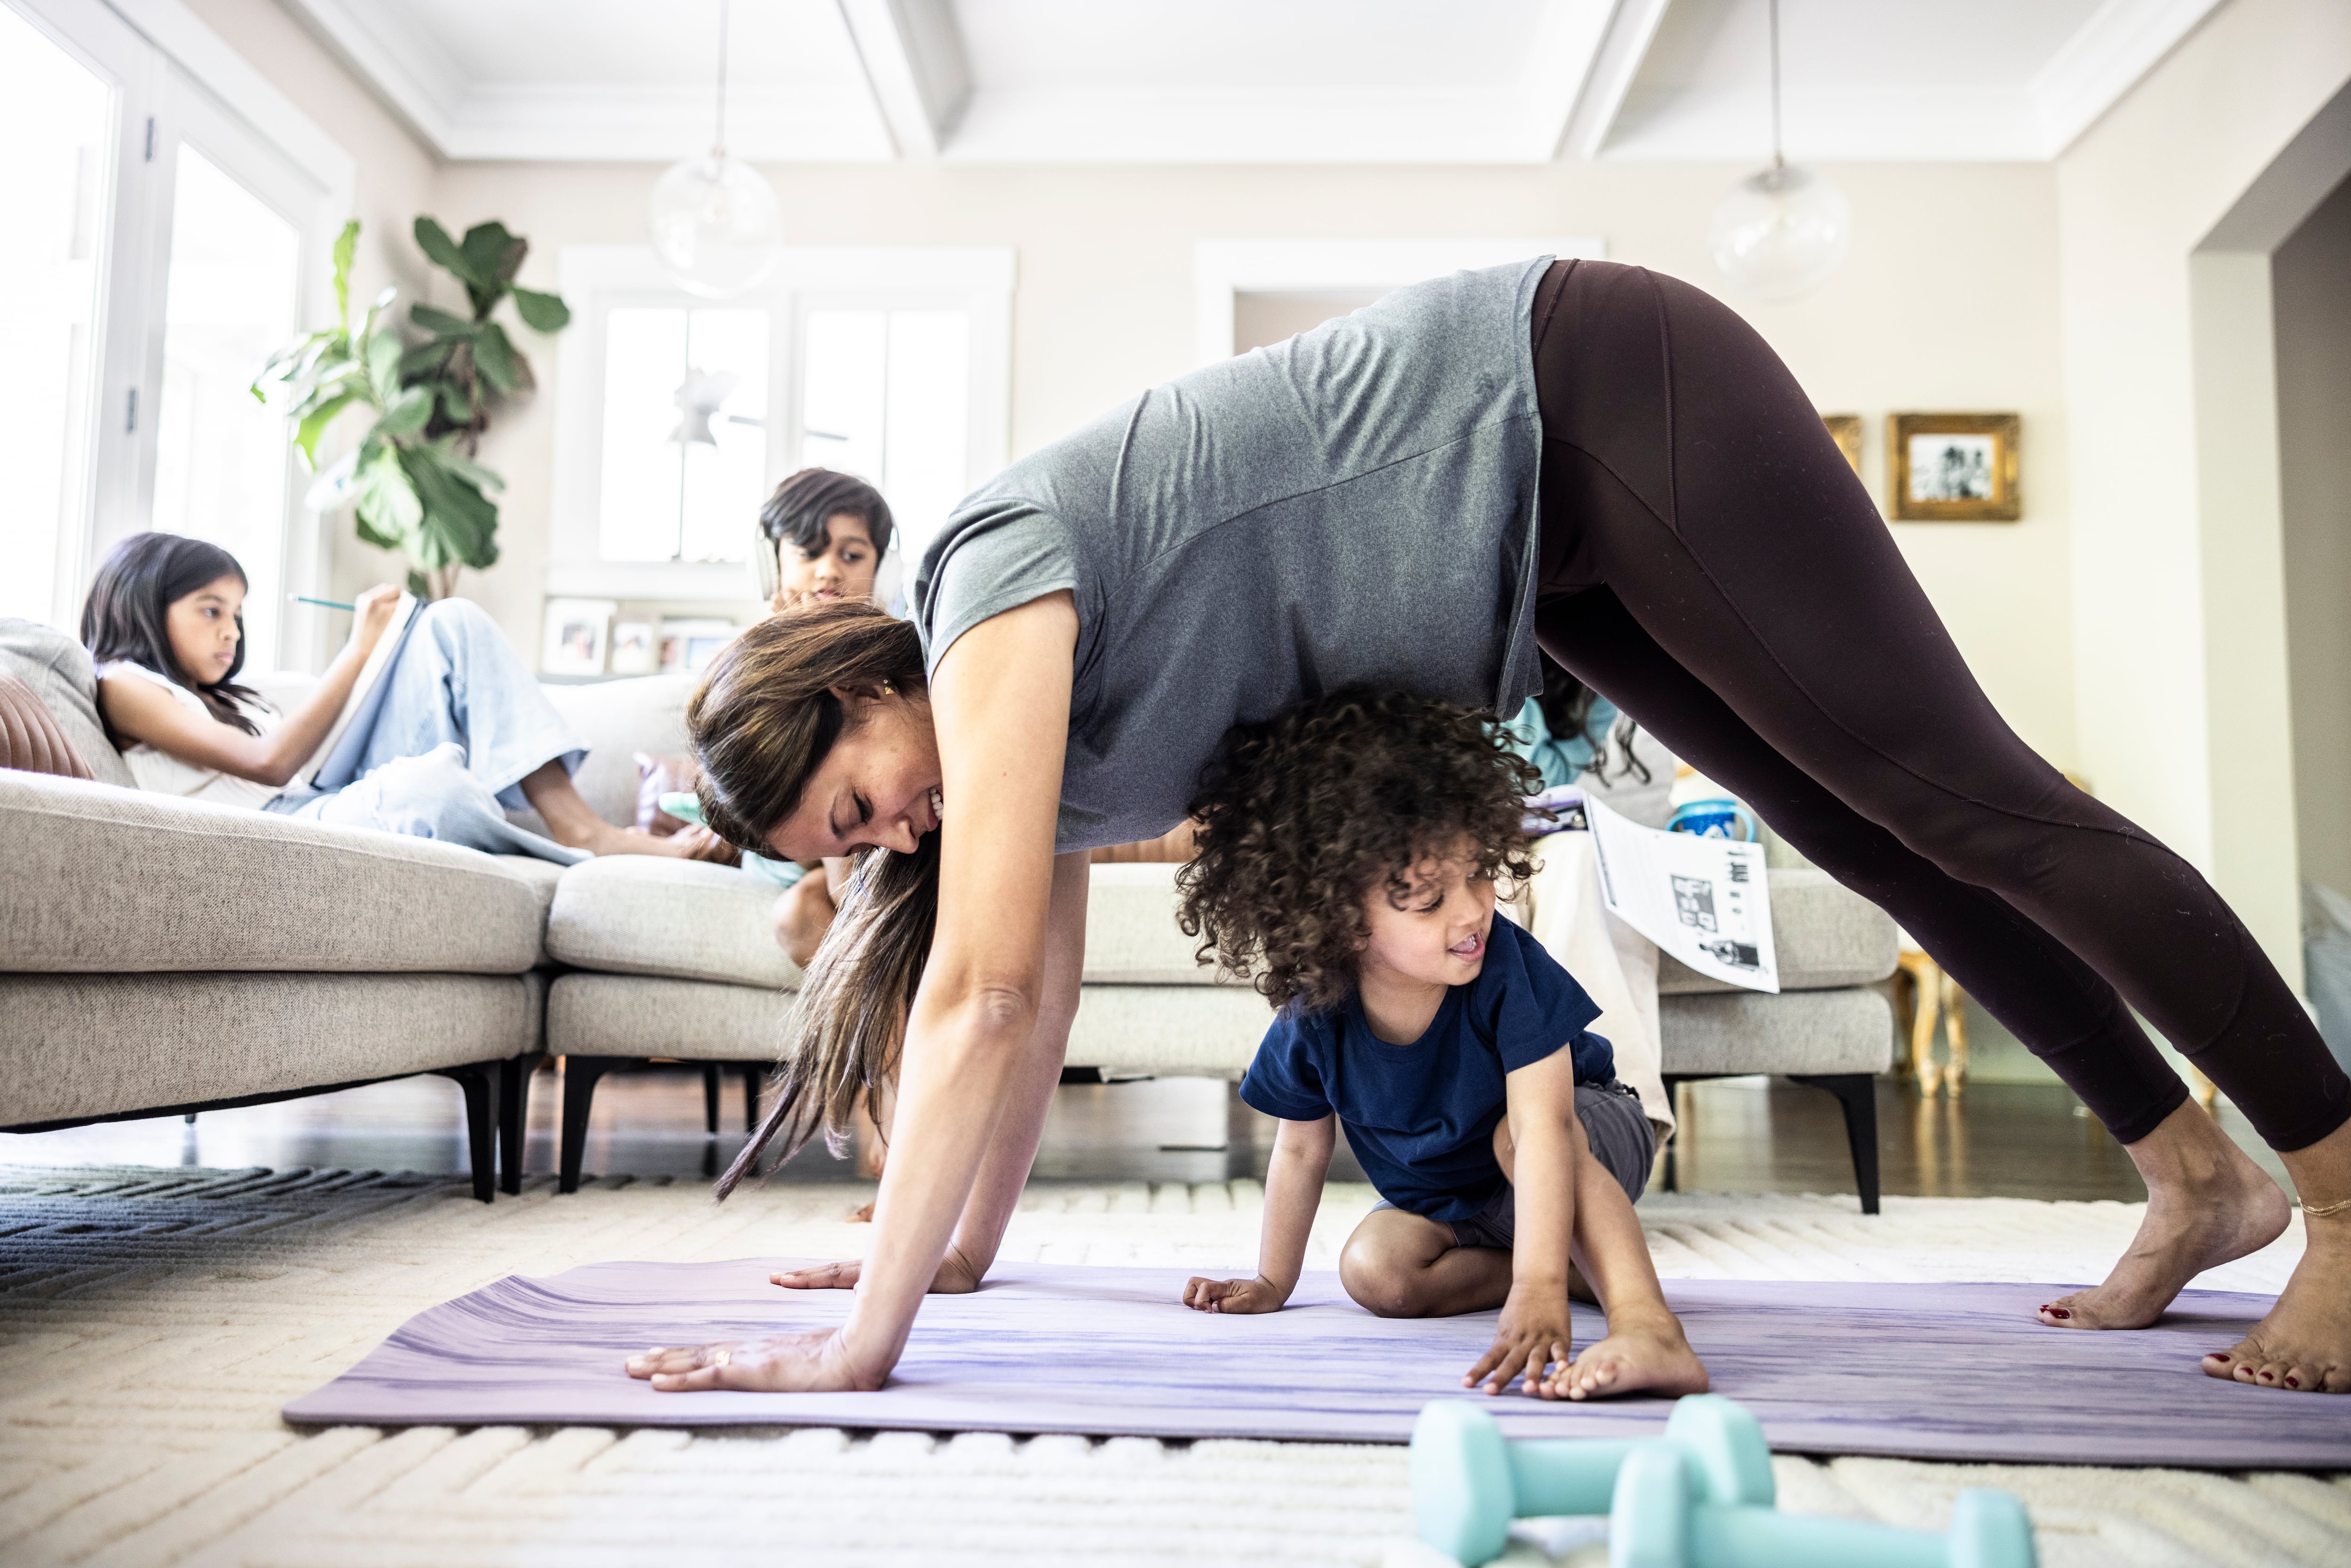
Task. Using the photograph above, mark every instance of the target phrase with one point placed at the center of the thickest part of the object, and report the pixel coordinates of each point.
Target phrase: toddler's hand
(1526, 1339)
(1232, 1296)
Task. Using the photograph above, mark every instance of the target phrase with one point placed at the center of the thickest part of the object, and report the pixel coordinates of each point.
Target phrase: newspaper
(1704, 901)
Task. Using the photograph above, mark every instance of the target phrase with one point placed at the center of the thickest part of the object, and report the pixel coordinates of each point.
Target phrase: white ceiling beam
(1567, 41)
(1632, 25)
(412, 74)
(916, 67)
(2102, 60)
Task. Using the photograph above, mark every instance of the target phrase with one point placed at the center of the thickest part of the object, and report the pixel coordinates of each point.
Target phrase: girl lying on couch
(464, 733)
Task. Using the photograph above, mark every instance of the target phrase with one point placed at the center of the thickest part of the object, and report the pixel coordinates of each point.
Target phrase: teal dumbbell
(1700, 1497)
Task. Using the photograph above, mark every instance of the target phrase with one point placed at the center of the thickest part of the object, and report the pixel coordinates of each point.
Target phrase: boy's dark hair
(1303, 816)
(803, 504)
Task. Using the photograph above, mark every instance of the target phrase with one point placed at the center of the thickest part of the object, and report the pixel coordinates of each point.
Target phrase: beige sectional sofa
(158, 955)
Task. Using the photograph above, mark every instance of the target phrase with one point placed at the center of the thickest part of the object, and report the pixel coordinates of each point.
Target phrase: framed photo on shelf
(690, 643)
(635, 650)
(1953, 467)
(1846, 430)
(577, 630)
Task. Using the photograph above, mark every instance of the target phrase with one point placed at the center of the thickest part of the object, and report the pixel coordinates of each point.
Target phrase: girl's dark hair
(124, 616)
(1304, 817)
(803, 504)
(762, 722)
(1566, 704)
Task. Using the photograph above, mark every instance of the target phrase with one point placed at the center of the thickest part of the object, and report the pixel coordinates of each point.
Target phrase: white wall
(1929, 314)
(2310, 289)
(2178, 597)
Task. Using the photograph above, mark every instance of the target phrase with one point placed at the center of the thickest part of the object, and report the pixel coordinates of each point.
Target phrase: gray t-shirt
(1355, 504)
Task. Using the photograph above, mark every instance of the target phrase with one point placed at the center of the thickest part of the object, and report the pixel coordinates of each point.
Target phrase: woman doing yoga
(1587, 455)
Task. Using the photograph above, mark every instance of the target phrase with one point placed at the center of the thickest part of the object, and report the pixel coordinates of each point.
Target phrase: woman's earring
(888, 690)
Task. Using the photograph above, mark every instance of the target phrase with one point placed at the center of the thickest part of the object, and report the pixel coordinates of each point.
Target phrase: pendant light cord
(719, 144)
(1776, 161)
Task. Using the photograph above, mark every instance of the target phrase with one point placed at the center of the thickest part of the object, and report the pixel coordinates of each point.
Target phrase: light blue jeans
(463, 724)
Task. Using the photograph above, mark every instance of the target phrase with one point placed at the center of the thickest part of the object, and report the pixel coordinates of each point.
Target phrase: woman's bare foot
(1642, 1354)
(2207, 1204)
(2304, 1343)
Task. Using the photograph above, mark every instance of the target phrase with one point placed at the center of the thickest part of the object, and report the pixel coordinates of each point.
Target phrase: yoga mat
(1937, 1372)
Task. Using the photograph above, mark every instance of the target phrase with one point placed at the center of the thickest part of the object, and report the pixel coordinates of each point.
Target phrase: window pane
(57, 120)
(726, 483)
(644, 359)
(220, 454)
(843, 406)
(927, 438)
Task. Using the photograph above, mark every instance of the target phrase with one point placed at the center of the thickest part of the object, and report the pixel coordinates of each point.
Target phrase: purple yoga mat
(1938, 1372)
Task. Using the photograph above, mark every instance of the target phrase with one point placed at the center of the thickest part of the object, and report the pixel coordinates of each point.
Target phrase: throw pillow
(58, 669)
(30, 739)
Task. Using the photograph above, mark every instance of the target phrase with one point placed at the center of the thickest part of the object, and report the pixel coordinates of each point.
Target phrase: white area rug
(152, 1321)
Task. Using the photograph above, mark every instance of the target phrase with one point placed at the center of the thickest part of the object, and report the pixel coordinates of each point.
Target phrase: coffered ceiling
(1250, 81)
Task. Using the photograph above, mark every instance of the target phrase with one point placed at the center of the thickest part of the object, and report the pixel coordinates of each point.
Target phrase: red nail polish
(2218, 1355)
(2294, 1381)
(2268, 1377)
(2057, 1312)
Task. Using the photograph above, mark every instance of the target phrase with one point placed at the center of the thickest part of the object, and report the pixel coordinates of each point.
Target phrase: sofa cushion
(648, 915)
(1848, 1030)
(1131, 933)
(82, 1046)
(1169, 1031)
(1827, 935)
(639, 1015)
(58, 669)
(96, 879)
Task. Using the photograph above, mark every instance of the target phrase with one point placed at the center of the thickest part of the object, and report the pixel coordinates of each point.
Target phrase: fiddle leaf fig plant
(411, 482)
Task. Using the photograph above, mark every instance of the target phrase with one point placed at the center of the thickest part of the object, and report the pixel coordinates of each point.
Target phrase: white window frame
(169, 71)
(1222, 269)
(975, 279)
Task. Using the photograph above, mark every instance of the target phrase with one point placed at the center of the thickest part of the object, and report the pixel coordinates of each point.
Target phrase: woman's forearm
(960, 1066)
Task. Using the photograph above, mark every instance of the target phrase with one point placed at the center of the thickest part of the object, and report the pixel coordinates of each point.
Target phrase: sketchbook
(1705, 901)
(337, 761)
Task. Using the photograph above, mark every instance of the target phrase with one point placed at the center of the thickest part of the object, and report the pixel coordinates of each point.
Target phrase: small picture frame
(576, 633)
(689, 644)
(1953, 467)
(636, 650)
(1844, 429)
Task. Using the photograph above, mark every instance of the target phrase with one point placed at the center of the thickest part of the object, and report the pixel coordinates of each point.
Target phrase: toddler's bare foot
(2304, 1343)
(2205, 1206)
(1644, 1352)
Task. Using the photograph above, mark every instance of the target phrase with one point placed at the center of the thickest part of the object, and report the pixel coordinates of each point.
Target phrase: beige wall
(2311, 290)
(1950, 301)
(2178, 599)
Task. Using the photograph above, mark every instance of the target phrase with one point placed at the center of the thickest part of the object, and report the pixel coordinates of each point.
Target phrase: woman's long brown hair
(762, 722)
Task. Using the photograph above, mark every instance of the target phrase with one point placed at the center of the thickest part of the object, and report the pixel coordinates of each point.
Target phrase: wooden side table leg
(1955, 1025)
(2204, 1089)
(1922, 1029)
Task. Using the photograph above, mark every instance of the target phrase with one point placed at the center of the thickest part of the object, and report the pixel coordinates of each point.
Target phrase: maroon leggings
(1711, 565)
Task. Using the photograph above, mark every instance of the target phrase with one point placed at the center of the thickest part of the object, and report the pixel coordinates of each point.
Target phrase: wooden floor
(1740, 1135)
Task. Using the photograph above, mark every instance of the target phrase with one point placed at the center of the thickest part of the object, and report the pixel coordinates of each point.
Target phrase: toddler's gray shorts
(1620, 1138)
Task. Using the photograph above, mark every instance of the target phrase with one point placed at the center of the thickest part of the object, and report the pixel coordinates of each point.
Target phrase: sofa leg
(579, 1076)
(513, 1117)
(753, 1074)
(480, 1082)
(710, 1085)
(1858, 1094)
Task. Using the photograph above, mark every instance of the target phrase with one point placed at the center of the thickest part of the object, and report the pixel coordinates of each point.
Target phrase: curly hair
(1304, 816)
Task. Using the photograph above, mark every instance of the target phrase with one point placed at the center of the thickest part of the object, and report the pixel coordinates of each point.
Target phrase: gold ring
(720, 1358)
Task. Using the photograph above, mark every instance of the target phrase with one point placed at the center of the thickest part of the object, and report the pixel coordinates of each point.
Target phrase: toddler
(1349, 852)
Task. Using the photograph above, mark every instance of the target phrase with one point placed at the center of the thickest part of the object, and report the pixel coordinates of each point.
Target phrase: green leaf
(495, 254)
(346, 245)
(434, 242)
(383, 352)
(408, 414)
(459, 525)
(542, 312)
(417, 584)
(499, 364)
(332, 490)
(390, 511)
(437, 320)
(457, 463)
(313, 425)
(456, 403)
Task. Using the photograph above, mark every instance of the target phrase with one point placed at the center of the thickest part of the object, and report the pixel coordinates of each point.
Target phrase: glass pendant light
(1779, 233)
(716, 229)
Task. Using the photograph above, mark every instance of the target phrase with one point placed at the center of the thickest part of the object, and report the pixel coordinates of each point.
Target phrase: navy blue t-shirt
(1421, 1117)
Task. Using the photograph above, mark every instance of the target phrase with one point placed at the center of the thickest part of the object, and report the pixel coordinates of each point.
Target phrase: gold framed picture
(1846, 430)
(1953, 467)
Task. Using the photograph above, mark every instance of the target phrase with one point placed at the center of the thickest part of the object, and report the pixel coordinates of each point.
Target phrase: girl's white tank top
(167, 775)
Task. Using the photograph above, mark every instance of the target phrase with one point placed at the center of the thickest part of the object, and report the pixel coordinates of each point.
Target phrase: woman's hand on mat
(775, 1363)
(1257, 1295)
(1527, 1339)
(955, 1277)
